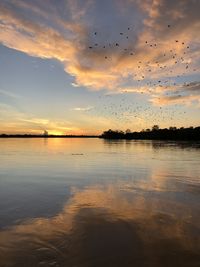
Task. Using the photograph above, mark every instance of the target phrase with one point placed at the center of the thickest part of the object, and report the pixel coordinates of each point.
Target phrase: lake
(94, 202)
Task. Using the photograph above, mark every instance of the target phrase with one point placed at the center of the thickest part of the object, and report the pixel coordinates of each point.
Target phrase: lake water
(92, 202)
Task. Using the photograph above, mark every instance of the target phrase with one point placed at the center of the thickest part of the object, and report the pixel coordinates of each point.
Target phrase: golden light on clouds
(90, 67)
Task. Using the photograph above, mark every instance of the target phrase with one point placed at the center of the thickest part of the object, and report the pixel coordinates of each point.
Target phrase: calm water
(91, 202)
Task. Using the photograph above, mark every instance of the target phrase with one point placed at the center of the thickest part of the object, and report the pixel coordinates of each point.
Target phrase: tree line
(155, 133)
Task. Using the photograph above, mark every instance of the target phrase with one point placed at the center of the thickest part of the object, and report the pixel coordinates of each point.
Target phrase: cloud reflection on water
(109, 225)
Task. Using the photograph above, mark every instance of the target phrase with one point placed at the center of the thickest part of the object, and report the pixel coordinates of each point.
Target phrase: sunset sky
(84, 66)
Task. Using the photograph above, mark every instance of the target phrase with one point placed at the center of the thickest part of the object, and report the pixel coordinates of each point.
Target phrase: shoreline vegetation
(171, 133)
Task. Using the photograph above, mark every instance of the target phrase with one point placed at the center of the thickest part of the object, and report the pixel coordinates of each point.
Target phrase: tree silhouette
(156, 133)
(155, 128)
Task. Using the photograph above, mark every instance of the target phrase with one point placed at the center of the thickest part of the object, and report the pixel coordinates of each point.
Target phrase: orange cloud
(166, 46)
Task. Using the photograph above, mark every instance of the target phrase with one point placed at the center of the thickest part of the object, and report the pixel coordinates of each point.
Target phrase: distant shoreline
(48, 136)
(171, 134)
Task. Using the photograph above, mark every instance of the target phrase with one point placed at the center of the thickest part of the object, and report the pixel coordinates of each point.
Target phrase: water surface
(92, 202)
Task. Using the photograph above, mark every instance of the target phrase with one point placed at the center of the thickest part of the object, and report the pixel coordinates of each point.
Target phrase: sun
(56, 132)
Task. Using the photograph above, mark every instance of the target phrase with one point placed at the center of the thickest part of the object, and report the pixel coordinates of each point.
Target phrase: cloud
(193, 86)
(162, 43)
(83, 108)
(172, 100)
(185, 95)
(14, 121)
(9, 94)
(36, 121)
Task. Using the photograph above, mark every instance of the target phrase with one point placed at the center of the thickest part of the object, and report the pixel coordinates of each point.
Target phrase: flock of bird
(124, 112)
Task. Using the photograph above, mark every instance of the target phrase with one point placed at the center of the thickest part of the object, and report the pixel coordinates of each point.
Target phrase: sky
(84, 66)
